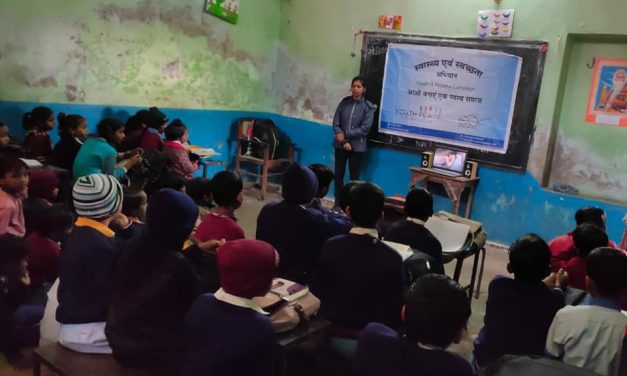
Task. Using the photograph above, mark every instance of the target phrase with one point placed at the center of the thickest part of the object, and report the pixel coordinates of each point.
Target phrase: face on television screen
(449, 159)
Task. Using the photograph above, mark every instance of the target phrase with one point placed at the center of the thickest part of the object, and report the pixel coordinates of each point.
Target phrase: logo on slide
(423, 113)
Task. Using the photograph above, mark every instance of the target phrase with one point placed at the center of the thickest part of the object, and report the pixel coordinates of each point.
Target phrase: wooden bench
(66, 362)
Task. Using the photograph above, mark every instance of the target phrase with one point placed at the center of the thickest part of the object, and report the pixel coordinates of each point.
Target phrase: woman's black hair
(175, 130)
(36, 119)
(134, 197)
(198, 189)
(360, 79)
(68, 122)
(139, 120)
(53, 219)
(107, 127)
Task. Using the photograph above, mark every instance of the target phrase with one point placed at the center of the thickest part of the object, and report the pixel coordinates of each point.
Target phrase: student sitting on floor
(325, 177)
(435, 314)
(412, 231)
(226, 332)
(73, 133)
(9, 146)
(168, 179)
(586, 237)
(153, 285)
(563, 247)
(13, 189)
(18, 321)
(199, 189)
(134, 130)
(37, 144)
(295, 230)
(357, 277)
(519, 311)
(591, 334)
(156, 122)
(134, 208)
(87, 259)
(43, 190)
(176, 149)
(221, 223)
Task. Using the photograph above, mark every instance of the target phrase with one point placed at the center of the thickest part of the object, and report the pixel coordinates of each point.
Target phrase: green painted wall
(317, 39)
(152, 52)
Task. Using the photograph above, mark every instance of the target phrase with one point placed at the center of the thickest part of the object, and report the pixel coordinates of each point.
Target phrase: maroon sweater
(38, 146)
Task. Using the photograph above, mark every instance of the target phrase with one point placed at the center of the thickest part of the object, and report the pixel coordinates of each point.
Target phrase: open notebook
(452, 235)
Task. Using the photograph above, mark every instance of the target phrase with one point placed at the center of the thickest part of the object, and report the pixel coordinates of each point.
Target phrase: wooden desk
(454, 186)
(206, 162)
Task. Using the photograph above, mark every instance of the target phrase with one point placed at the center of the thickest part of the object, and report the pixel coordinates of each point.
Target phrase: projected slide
(456, 96)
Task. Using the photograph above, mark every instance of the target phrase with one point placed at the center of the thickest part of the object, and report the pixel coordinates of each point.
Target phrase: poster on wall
(456, 96)
(228, 10)
(607, 101)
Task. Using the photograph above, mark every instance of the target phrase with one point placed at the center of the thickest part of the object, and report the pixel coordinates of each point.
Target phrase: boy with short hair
(435, 313)
(586, 237)
(220, 223)
(412, 231)
(13, 190)
(325, 177)
(591, 334)
(519, 311)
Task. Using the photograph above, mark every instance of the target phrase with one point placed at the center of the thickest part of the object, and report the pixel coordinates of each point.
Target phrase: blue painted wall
(507, 203)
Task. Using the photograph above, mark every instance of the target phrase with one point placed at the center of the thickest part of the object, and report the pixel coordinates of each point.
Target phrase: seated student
(295, 230)
(519, 311)
(134, 208)
(43, 190)
(167, 179)
(435, 314)
(563, 246)
(153, 285)
(13, 189)
(73, 133)
(226, 333)
(342, 200)
(325, 177)
(221, 223)
(18, 320)
(176, 149)
(156, 122)
(37, 144)
(134, 130)
(99, 156)
(357, 277)
(87, 259)
(7, 146)
(412, 231)
(51, 228)
(199, 189)
(591, 334)
(586, 237)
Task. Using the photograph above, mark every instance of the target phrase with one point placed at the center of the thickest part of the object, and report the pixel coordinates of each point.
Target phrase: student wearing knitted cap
(156, 122)
(227, 333)
(154, 284)
(293, 228)
(87, 260)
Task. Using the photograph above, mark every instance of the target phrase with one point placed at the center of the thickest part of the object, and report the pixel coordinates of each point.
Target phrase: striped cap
(97, 196)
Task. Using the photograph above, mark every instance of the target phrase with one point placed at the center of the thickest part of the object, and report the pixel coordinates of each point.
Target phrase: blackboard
(533, 54)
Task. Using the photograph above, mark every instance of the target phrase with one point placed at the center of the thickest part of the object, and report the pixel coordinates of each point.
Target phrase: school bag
(419, 264)
(522, 365)
(154, 163)
(264, 132)
(289, 304)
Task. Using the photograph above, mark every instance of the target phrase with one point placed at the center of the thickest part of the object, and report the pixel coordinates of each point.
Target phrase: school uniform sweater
(11, 215)
(151, 140)
(359, 280)
(563, 249)
(226, 339)
(179, 159)
(96, 156)
(87, 260)
(217, 226)
(518, 317)
(65, 152)
(415, 235)
(43, 260)
(382, 351)
(297, 233)
(38, 146)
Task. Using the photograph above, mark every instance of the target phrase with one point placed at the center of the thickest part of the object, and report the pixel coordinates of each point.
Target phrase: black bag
(419, 264)
(265, 132)
(517, 365)
(154, 163)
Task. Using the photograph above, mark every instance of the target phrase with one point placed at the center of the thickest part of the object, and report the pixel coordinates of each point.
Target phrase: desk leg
(37, 366)
(204, 170)
(473, 276)
(458, 268)
(483, 252)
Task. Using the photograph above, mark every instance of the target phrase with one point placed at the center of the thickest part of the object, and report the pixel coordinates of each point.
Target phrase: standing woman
(351, 124)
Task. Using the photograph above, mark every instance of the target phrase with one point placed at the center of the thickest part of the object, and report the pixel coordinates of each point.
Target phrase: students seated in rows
(153, 285)
(412, 231)
(357, 277)
(586, 237)
(563, 246)
(73, 133)
(295, 230)
(156, 122)
(13, 190)
(591, 334)
(37, 144)
(435, 315)
(87, 259)
(221, 223)
(176, 149)
(98, 155)
(43, 190)
(519, 311)
(227, 333)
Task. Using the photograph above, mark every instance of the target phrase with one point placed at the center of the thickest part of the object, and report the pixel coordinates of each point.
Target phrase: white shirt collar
(416, 221)
(238, 301)
(365, 231)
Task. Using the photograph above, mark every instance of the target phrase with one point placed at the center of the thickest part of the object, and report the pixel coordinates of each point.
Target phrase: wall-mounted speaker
(427, 159)
(470, 169)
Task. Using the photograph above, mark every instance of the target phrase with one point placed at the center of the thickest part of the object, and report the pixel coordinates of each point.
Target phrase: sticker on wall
(386, 22)
(607, 101)
(495, 23)
(228, 10)
(398, 22)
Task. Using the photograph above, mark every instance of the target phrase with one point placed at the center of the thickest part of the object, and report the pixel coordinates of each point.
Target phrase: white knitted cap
(97, 196)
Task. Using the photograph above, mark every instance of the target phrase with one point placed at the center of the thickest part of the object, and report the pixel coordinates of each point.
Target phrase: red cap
(247, 267)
